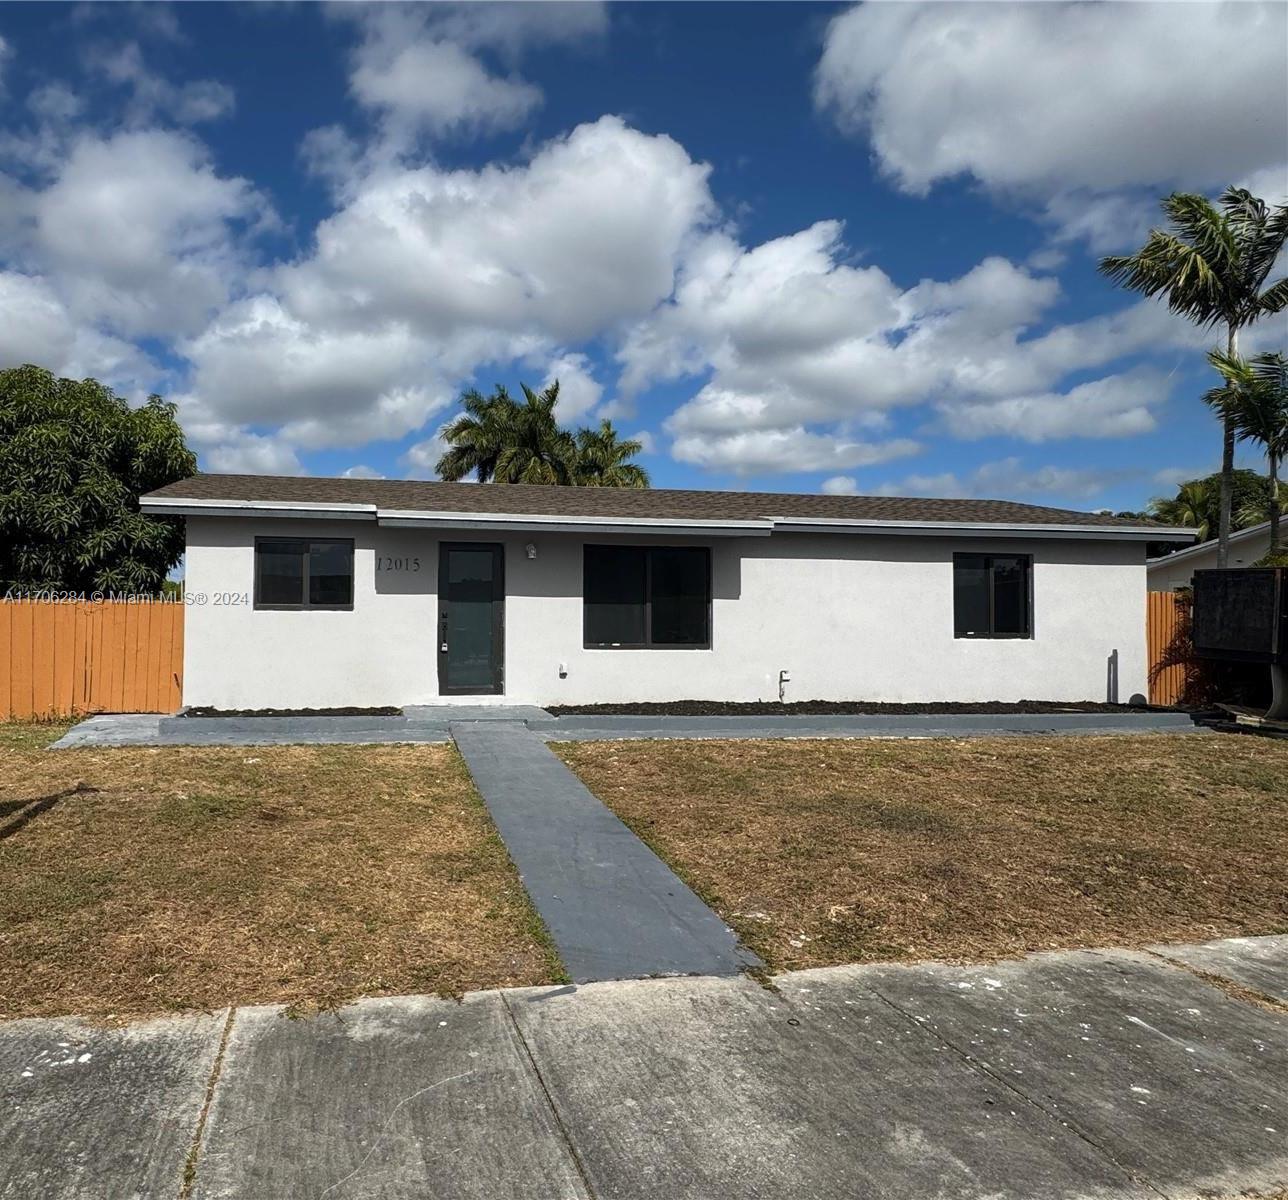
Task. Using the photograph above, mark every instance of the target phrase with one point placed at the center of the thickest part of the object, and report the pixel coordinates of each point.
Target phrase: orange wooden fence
(114, 656)
(1163, 618)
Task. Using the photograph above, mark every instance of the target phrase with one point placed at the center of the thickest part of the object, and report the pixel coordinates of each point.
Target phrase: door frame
(497, 686)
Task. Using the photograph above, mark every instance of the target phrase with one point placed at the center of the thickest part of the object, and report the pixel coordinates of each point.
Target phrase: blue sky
(793, 246)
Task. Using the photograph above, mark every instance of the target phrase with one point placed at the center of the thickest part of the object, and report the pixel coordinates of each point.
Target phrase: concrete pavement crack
(971, 1061)
(194, 1151)
(550, 1101)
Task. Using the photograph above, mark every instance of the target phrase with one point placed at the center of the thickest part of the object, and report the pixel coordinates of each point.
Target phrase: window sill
(303, 608)
(632, 646)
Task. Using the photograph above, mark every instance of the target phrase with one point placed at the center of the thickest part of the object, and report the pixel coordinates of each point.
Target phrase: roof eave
(673, 526)
(1144, 533)
(180, 506)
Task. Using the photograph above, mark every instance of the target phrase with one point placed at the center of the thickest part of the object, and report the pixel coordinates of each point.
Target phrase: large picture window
(992, 595)
(303, 573)
(643, 597)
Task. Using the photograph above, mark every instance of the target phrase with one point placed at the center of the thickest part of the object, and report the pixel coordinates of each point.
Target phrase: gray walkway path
(614, 909)
(591, 728)
(430, 723)
(1105, 1075)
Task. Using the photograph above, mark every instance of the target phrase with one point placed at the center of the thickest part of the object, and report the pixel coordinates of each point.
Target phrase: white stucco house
(1168, 572)
(321, 593)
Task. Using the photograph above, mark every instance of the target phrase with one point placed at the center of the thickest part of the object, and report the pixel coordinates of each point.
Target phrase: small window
(991, 595)
(647, 597)
(303, 573)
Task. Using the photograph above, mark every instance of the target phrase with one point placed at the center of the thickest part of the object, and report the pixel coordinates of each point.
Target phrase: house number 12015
(397, 564)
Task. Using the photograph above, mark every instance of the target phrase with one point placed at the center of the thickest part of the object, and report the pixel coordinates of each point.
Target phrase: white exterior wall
(850, 617)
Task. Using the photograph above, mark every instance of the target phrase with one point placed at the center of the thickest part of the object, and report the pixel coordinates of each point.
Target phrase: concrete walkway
(431, 723)
(591, 728)
(614, 909)
(1103, 1075)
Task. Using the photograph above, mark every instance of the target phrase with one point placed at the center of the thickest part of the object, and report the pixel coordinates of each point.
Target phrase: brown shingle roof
(611, 503)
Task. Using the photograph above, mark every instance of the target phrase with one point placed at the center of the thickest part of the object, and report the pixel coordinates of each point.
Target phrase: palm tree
(476, 438)
(503, 441)
(1212, 265)
(602, 459)
(1253, 399)
(1191, 507)
(1253, 512)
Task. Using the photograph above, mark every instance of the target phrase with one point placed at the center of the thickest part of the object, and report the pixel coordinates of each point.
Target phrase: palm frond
(1275, 298)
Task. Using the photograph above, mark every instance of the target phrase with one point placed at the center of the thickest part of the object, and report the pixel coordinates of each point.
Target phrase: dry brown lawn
(821, 852)
(194, 878)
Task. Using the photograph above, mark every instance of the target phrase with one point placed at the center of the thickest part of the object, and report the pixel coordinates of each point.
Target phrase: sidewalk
(1105, 1074)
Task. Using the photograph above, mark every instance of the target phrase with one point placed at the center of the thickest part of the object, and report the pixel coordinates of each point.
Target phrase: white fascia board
(976, 529)
(535, 523)
(179, 507)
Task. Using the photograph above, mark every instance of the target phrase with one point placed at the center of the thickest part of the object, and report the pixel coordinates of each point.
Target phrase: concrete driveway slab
(88, 1113)
(700, 1088)
(614, 909)
(1259, 963)
(396, 1099)
(1181, 1084)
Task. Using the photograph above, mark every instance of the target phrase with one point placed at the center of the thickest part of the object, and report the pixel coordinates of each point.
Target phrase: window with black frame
(638, 597)
(992, 595)
(304, 573)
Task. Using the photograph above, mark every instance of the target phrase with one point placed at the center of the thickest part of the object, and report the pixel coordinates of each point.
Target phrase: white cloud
(55, 103)
(648, 443)
(440, 86)
(257, 363)
(1008, 479)
(839, 485)
(247, 453)
(36, 327)
(796, 334)
(361, 471)
(1056, 97)
(585, 234)
(422, 68)
(139, 230)
(151, 95)
(1171, 478)
(421, 458)
(425, 276)
(1116, 406)
(792, 336)
(579, 390)
(779, 451)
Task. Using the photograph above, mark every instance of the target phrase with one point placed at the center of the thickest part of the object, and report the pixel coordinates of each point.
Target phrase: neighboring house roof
(1199, 549)
(412, 502)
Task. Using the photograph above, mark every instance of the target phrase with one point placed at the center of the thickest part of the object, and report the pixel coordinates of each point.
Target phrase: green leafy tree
(74, 459)
(604, 461)
(1197, 503)
(1253, 397)
(1192, 506)
(496, 439)
(1212, 264)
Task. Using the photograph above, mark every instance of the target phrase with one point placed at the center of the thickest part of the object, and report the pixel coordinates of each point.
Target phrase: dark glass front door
(471, 616)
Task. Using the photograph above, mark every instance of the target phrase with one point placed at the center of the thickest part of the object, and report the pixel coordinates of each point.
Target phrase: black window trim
(304, 602)
(1027, 635)
(647, 643)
